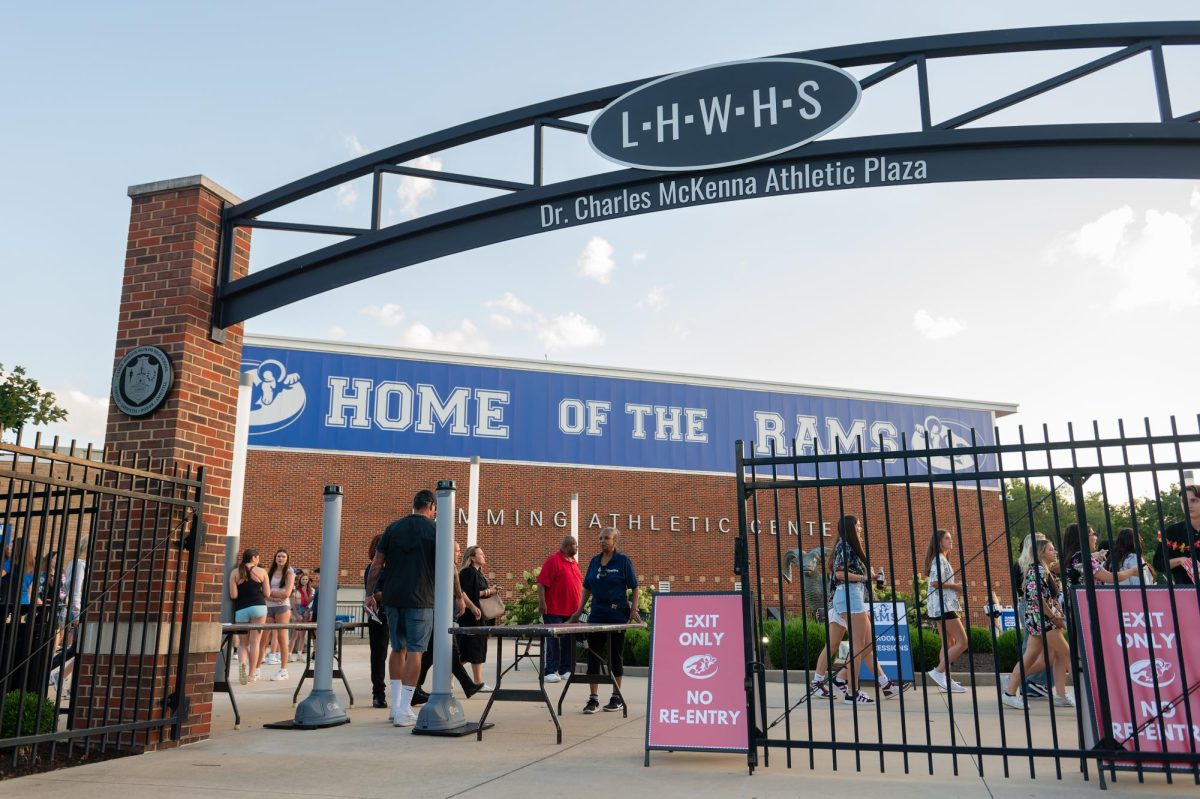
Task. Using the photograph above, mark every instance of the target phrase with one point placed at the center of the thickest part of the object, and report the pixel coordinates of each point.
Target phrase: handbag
(491, 607)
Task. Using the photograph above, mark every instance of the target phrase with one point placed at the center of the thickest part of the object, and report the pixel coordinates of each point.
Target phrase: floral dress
(1075, 574)
(1039, 592)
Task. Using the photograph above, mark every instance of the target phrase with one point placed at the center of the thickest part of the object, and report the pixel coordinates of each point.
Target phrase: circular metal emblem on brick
(141, 381)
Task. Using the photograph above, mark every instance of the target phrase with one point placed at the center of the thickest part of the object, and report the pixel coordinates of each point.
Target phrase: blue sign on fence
(896, 662)
(354, 402)
(1008, 619)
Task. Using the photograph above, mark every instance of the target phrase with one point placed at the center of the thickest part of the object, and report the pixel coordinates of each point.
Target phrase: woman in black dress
(475, 586)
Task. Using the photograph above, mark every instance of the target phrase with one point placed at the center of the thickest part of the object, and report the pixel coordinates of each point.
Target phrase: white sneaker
(565, 675)
(272, 659)
(1067, 700)
(957, 687)
(486, 689)
(257, 673)
(937, 677)
(407, 720)
(552, 677)
(280, 675)
(1012, 701)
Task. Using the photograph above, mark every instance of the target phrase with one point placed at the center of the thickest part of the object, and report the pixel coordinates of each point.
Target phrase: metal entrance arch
(1166, 148)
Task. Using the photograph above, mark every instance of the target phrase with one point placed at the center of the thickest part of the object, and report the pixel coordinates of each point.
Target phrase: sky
(1076, 300)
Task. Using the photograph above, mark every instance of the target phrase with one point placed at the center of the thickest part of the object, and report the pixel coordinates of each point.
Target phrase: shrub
(885, 595)
(637, 648)
(1008, 650)
(805, 640)
(524, 609)
(770, 631)
(36, 714)
(981, 640)
(926, 648)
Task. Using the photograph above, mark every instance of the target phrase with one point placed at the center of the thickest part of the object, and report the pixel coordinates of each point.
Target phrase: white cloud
(654, 299)
(509, 302)
(596, 261)
(347, 196)
(464, 338)
(1100, 239)
(388, 315)
(500, 320)
(937, 328)
(354, 145)
(1156, 264)
(337, 331)
(413, 190)
(638, 256)
(87, 418)
(569, 331)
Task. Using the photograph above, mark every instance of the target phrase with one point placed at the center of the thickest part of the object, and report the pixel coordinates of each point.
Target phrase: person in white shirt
(943, 606)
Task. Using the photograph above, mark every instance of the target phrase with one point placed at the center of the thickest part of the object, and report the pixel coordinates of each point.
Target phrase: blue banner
(349, 402)
(893, 656)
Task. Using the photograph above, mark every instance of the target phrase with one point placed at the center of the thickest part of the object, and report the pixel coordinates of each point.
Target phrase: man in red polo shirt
(560, 587)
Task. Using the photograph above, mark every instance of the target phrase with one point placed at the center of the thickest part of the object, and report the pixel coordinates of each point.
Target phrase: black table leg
(308, 672)
(545, 696)
(225, 687)
(604, 678)
(340, 673)
(495, 689)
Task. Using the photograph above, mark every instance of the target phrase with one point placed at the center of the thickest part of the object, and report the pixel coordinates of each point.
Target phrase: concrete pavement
(600, 754)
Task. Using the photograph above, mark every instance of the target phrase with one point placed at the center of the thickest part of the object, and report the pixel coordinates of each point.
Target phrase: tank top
(250, 594)
(277, 583)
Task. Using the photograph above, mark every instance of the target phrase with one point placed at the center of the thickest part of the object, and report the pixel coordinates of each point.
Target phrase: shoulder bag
(491, 607)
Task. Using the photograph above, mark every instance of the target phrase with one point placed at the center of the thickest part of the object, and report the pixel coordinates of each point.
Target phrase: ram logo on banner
(696, 688)
(349, 402)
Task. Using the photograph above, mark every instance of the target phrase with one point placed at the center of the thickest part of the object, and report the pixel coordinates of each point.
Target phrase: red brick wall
(166, 301)
(283, 509)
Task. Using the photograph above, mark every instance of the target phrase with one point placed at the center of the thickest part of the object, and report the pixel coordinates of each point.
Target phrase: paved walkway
(600, 754)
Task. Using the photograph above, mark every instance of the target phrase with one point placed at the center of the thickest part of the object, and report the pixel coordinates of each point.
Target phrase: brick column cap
(175, 184)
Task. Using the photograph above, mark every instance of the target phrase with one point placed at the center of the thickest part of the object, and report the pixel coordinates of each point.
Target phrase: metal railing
(96, 598)
(1096, 675)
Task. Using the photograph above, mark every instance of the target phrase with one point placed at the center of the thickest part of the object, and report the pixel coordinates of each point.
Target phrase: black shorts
(947, 616)
(611, 647)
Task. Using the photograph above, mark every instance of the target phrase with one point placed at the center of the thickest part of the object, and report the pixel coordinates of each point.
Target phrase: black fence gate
(1062, 645)
(95, 600)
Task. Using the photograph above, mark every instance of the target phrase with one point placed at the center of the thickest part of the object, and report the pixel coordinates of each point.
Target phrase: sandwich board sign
(697, 682)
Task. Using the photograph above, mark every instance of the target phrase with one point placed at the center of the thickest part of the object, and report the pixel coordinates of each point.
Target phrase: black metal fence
(95, 597)
(1078, 649)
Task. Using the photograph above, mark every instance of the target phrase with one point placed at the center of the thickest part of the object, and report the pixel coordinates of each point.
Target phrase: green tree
(1036, 509)
(23, 401)
(1032, 507)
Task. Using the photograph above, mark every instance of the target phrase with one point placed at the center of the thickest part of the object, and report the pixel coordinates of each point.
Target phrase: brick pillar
(166, 301)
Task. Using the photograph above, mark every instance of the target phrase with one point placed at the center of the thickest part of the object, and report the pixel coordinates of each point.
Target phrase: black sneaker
(379, 702)
(614, 704)
(419, 697)
(593, 705)
(1036, 689)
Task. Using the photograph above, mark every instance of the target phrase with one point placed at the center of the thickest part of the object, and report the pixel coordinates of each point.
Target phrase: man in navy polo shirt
(608, 576)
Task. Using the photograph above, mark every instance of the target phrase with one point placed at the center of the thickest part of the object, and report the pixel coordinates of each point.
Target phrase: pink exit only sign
(697, 695)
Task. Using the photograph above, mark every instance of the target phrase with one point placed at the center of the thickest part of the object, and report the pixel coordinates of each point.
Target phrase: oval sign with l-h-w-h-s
(725, 114)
